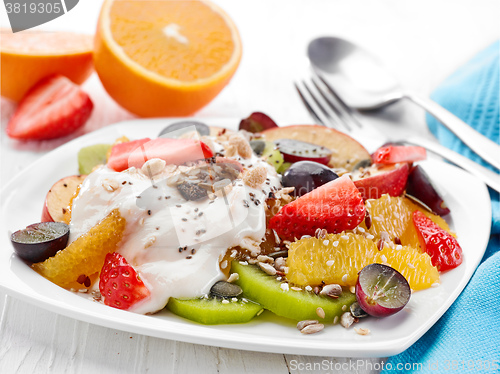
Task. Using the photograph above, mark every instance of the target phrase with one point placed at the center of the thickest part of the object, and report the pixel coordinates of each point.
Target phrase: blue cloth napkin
(467, 337)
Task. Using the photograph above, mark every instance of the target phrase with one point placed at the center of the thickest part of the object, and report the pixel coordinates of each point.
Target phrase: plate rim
(315, 348)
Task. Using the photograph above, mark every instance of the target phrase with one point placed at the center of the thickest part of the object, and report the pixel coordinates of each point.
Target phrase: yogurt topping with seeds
(175, 244)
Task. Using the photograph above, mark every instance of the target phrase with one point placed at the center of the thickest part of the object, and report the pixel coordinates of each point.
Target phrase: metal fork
(328, 109)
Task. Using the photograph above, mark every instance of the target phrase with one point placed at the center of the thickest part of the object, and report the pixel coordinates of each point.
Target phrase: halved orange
(28, 56)
(165, 57)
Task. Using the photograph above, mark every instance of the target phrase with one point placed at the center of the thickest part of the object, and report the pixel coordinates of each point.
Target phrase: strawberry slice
(53, 108)
(119, 283)
(443, 248)
(381, 179)
(398, 153)
(118, 157)
(173, 151)
(335, 206)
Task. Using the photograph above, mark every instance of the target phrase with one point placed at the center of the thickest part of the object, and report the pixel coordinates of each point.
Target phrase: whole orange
(28, 56)
(165, 58)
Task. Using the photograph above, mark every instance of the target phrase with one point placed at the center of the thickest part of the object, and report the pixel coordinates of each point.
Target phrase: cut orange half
(28, 56)
(165, 57)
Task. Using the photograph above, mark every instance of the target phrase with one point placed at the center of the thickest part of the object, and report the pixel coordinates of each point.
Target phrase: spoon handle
(477, 142)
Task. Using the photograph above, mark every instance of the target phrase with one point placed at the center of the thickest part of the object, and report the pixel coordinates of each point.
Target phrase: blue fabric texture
(467, 337)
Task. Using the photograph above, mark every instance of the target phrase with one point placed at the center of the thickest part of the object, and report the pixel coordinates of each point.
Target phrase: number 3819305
(32, 8)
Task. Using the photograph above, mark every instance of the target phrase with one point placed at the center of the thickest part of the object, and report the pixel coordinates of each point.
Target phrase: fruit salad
(218, 225)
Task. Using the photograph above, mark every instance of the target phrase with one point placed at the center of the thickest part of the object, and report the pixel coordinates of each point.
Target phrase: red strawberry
(334, 206)
(173, 151)
(119, 283)
(118, 157)
(398, 153)
(54, 107)
(444, 250)
(390, 179)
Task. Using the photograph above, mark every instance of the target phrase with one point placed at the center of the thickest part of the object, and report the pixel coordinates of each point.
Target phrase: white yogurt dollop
(175, 245)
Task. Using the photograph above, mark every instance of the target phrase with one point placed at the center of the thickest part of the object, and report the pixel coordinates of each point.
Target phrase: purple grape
(40, 241)
(305, 176)
(381, 290)
(257, 122)
(421, 187)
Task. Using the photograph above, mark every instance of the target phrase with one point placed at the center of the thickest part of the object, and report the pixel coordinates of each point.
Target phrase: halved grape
(40, 241)
(257, 122)
(381, 290)
(305, 176)
(296, 150)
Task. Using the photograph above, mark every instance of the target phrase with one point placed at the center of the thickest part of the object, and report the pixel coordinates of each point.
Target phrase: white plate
(21, 205)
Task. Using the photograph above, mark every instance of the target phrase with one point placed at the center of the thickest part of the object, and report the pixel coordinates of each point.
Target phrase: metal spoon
(365, 84)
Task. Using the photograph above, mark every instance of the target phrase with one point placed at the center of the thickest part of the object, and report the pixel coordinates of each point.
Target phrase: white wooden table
(422, 41)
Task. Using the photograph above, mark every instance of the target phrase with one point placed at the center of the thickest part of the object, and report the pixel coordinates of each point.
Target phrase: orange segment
(393, 216)
(338, 258)
(28, 56)
(164, 57)
(85, 256)
(416, 267)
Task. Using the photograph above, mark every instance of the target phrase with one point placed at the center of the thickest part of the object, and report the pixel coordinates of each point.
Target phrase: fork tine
(308, 106)
(313, 106)
(346, 111)
(320, 100)
(333, 106)
(317, 106)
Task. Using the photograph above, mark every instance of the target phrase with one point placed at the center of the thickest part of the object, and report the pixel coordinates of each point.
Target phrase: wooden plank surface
(33, 340)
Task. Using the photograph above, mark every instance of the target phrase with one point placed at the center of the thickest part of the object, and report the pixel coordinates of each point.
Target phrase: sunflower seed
(307, 322)
(346, 320)
(312, 329)
(268, 269)
(320, 312)
(332, 290)
(362, 331)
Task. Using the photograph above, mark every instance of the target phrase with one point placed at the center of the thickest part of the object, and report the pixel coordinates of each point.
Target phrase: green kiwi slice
(91, 156)
(297, 305)
(213, 311)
